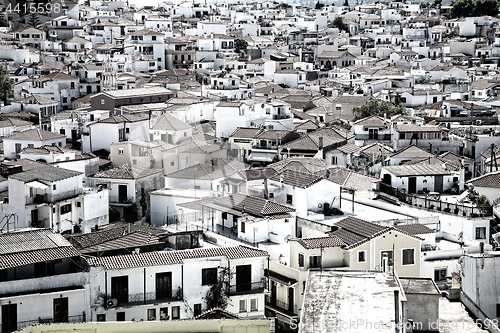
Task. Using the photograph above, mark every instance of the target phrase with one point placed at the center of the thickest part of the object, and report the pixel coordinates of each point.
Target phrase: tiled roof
(412, 128)
(412, 152)
(414, 229)
(301, 164)
(318, 242)
(307, 125)
(372, 121)
(422, 169)
(26, 164)
(25, 247)
(252, 205)
(148, 259)
(48, 173)
(167, 122)
(122, 118)
(214, 169)
(349, 148)
(34, 134)
(491, 180)
(128, 171)
(296, 178)
(245, 132)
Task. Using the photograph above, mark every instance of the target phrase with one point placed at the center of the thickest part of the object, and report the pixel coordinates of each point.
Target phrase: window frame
(303, 256)
(403, 256)
(364, 252)
(208, 277)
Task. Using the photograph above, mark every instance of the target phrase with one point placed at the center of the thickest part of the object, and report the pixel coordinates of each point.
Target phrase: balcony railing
(280, 306)
(142, 298)
(122, 200)
(281, 116)
(379, 137)
(70, 319)
(247, 288)
(50, 198)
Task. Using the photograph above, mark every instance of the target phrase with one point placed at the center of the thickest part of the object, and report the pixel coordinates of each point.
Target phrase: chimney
(266, 190)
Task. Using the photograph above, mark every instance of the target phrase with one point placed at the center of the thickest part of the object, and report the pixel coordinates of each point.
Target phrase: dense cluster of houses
(195, 160)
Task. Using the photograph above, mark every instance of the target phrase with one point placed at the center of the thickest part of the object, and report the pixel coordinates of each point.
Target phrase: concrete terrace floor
(454, 318)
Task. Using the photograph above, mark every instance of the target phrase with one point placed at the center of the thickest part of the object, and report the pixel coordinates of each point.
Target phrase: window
(54, 187)
(30, 145)
(498, 310)
(243, 305)
(101, 317)
(151, 314)
(408, 256)
(176, 312)
(361, 256)
(65, 209)
(208, 276)
(314, 261)
(481, 233)
(120, 316)
(153, 37)
(197, 309)
(78, 204)
(72, 85)
(254, 304)
(440, 274)
(172, 163)
(127, 130)
(301, 260)
(120, 151)
(289, 199)
(164, 314)
(334, 160)
(242, 227)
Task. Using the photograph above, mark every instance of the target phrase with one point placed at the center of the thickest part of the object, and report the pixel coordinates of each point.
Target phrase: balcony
(281, 116)
(115, 199)
(142, 298)
(380, 137)
(282, 307)
(70, 319)
(247, 288)
(51, 198)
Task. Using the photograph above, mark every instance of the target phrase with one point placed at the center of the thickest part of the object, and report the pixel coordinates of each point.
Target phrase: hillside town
(249, 166)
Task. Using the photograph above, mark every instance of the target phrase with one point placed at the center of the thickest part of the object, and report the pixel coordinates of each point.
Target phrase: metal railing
(122, 200)
(436, 205)
(50, 198)
(247, 288)
(281, 306)
(143, 298)
(373, 137)
(70, 319)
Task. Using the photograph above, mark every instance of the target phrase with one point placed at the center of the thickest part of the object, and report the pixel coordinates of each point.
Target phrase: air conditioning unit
(112, 303)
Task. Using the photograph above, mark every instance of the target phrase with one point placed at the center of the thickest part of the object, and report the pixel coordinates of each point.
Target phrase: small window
(481, 233)
(176, 312)
(289, 199)
(65, 209)
(78, 204)
(120, 316)
(243, 305)
(172, 163)
(334, 160)
(361, 256)
(301, 260)
(54, 187)
(498, 310)
(30, 145)
(440, 274)
(242, 227)
(197, 309)
(134, 162)
(185, 134)
(254, 304)
(164, 314)
(127, 130)
(103, 102)
(151, 314)
(120, 151)
(408, 256)
(315, 262)
(101, 317)
(208, 276)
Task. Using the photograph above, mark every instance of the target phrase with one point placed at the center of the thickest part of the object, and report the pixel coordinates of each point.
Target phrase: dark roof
(148, 259)
(122, 118)
(25, 247)
(415, 229)
(127, 171)
(491, 180)
(421, 169)
(48, 173)
(296, 178)
(34, 134)
(419, 286)
(319, 242)
(245, 132)
(252, 205)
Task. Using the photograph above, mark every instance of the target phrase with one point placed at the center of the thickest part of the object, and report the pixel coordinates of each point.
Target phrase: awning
(276, 277)
(261, 157)
(37, 184)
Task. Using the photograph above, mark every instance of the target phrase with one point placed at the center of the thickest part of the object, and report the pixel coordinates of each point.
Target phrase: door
(412, 185)
(384, 263)
(438, 183)
(290, 300)
(61, 310)
(387, 179)
(34, 218)
(74, 137)
(89, 90)
(170, 139)
(122, 193)
(9, 317)
(163, 285)
(119, 288)
(163, 137)
(273, 292)
(244, 278)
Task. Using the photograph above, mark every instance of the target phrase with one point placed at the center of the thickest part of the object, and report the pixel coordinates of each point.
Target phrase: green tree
(218, 294)
(6, 86)
(377, 107)
(283, 5)
(114, 214)
(240, 44)
(339, 23)
(437, 4)
(346, 3)
(468, 8)
(3, 23)
(319, 5)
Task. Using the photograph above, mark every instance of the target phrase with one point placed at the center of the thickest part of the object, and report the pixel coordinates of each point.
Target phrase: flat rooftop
(334, 299)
